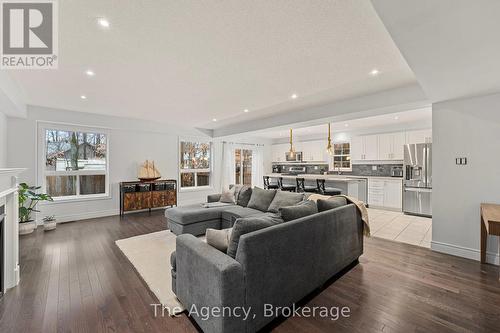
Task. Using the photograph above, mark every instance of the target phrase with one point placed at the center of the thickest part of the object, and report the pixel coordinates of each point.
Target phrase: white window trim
(42, 126)
(209, 170)
(350, 156)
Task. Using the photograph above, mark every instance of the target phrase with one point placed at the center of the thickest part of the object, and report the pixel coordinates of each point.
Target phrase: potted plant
(49, 222)
(28, 199)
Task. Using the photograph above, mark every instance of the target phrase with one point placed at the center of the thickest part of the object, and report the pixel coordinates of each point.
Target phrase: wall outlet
(461, 161)
(374, 168)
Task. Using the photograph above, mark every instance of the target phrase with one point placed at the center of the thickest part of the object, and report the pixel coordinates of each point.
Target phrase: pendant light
(291, 151)
(329, 147)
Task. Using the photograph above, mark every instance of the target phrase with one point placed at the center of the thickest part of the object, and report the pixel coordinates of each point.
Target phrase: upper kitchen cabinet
(391, 146)
(364, 148)
(421, 136)
(279, 151)
(313, 151)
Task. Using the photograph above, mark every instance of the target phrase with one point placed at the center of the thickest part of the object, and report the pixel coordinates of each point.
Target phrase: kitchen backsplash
(383, 170)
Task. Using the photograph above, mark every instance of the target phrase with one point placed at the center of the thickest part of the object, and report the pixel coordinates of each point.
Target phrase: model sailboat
(148, 171)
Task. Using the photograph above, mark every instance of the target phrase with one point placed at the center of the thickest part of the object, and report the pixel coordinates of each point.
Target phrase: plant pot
(51, 225)
(26, 228)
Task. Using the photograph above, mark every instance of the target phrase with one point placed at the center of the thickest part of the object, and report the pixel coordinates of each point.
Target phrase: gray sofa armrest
(209, 278)
(213, 197)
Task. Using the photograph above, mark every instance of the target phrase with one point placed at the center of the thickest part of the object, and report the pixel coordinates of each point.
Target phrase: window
(195, 164)
(75, 162)
(342, 156)
(243, 166)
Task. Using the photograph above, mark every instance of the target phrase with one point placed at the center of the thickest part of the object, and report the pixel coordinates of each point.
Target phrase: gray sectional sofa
(278, 265)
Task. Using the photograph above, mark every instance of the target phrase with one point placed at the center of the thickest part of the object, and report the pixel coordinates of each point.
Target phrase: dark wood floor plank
(75, 279)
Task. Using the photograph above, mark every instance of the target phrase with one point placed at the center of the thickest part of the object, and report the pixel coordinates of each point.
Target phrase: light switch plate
(374, 168)
(461, 161)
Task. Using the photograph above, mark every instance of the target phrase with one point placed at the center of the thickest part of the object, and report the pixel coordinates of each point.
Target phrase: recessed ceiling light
(214, 119)
(396, 118)
(246, 110)
(374, 72)
(103, 22)
(294, 96)
(346, 125)
(83, 97)
(90, 72)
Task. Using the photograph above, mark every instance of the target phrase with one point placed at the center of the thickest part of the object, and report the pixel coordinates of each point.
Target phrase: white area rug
(150, 255)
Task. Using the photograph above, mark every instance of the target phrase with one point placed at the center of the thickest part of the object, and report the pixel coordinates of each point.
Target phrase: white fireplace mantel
(9, 198)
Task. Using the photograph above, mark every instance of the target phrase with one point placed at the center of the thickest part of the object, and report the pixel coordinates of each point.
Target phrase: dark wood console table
(146, 195)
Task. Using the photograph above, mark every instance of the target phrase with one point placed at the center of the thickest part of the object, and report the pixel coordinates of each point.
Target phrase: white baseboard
(465, 252)
(83, 216)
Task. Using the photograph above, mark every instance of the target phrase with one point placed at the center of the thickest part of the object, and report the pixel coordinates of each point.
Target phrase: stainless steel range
(417, 184)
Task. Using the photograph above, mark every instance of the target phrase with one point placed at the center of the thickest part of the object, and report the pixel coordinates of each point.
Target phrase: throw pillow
(284, 199)
(246, 225)
(261, 199)
(304, 208)
(228, 196)
(331, 203)
(244, 196)
(218, 238)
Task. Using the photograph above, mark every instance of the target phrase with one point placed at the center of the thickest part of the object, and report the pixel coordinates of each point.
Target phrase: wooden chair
(303, 187)
(327, 190)
(286, 187)
(268, 184)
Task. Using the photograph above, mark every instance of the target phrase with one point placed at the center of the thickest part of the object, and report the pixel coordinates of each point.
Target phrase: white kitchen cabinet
(312, 151)
(420, 136)
(371, 147)
(399, 140)
(393, 194)
(364, 148)
(390, 146)
(375, 192)
(278, 152)
(357, 148)
(385, 193)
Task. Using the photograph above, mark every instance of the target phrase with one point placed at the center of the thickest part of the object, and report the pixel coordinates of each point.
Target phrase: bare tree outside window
(75, 163)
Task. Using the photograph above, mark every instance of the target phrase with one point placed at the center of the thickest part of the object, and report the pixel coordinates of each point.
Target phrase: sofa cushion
(244, 196)
(218, 238)
(305, 208)
(236, 211)
(246, 225)
(261, 199)
(331, 203)
(228, 196)
(284, 199)
(194, 213)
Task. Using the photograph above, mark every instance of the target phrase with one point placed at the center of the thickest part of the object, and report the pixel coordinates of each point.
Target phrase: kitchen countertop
(344, 178)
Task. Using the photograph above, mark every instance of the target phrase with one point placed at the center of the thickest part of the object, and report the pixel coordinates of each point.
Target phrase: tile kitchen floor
(402, 228)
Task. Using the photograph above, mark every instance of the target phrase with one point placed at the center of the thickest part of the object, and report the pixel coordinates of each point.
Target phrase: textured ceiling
(186, 62)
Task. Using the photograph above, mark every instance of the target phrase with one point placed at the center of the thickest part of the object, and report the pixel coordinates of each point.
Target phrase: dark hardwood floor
(75, 279)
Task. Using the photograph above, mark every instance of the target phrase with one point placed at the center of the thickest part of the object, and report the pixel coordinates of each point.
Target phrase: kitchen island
(354, 186)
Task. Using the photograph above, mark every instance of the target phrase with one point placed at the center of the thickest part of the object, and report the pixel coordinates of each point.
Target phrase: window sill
(60, 200)
(196, 189)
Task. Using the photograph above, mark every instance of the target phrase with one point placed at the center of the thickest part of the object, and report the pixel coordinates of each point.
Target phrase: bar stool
(327, 190)
(268, 185)
(303, 187)
(286, 187)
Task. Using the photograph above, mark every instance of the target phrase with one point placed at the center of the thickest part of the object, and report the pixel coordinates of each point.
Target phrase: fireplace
(2, 249)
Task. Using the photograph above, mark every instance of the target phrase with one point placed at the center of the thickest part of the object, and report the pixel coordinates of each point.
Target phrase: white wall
(131, 142)
(3, 140)
(464, 128)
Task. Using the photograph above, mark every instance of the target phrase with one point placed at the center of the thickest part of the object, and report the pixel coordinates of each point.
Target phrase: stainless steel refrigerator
(417, 185)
